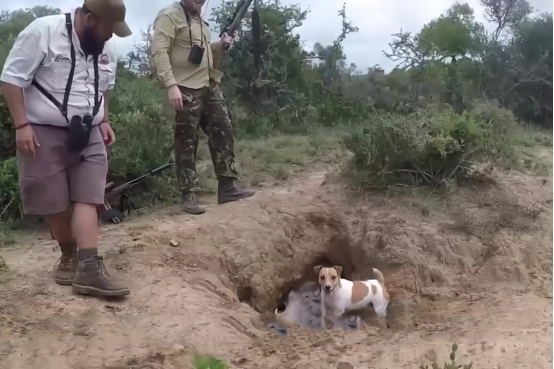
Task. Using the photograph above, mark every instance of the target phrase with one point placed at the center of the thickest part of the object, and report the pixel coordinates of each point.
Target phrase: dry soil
(472, 267)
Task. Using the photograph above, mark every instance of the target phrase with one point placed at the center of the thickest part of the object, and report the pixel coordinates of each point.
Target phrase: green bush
(10, 197)
(144, 132)
(340, 111)
(428, 146)
(7, 132)
(498, 126)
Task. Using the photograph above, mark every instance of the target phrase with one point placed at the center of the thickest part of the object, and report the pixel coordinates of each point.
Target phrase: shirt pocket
(183, 37)
(60, 68)
(105, 75)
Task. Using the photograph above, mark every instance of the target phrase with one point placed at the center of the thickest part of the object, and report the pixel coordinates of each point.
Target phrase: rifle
(111, 194)
(233, 25)
(240, 11)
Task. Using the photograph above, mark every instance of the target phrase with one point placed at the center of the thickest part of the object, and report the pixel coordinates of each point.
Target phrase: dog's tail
(379, 276)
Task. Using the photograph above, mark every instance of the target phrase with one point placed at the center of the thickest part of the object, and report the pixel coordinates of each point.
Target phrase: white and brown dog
(344, 295)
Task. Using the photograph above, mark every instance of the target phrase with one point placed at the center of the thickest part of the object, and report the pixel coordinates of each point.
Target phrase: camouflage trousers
(207, 110)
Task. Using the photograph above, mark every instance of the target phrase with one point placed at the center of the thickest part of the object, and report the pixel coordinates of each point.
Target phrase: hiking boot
(228, 191)
(67, 265)
(190, 204)
(92, 278)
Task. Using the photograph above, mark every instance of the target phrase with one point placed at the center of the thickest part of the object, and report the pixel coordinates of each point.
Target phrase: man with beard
(183, 58)
(56, 82)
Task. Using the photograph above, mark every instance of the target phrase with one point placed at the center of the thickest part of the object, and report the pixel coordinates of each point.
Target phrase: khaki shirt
(171, 47)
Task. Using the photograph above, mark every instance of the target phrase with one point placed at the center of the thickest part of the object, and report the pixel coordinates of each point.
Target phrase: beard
(194, 7)
(91, 43)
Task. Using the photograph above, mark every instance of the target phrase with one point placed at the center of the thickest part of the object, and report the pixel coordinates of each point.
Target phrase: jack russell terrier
(344, 295)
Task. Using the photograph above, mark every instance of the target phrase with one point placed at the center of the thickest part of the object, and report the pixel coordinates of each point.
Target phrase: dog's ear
(317, 268)
(338, 268)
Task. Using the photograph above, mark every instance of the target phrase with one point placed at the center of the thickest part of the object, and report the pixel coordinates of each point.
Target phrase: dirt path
(488, 291)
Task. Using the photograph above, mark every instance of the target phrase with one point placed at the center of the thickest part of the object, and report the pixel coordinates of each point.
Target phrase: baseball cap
(112, 11)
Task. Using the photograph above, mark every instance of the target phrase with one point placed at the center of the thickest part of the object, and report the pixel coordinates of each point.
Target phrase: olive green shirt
(171, 46)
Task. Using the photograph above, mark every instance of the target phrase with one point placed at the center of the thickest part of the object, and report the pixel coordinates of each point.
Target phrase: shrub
(498, 125)
(10, 197)
(427, 147)
(144, 132)
(341, 112)
(144, 142)
(7, 132)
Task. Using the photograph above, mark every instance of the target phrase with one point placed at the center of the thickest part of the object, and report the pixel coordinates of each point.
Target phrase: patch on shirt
(104, 59)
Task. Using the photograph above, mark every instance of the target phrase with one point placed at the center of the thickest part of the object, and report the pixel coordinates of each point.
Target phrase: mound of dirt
(234, 265)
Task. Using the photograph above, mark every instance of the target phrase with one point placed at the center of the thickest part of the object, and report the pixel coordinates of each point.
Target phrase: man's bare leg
(91, 277)
(84, 225)
(60, 226)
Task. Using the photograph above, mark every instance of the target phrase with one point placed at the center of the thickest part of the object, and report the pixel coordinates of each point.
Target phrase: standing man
(56, 81)
(183, 59)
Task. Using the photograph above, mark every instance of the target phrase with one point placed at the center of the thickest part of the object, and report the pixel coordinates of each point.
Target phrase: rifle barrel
(240, 14)
(120, 189)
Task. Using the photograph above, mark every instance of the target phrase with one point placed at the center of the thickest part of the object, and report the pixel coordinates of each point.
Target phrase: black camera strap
(187, 16)
(97, 100)
(63, 107)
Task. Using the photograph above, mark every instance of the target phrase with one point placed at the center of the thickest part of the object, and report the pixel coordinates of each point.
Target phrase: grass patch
(535, 160)
(208, 362)
(272, 158)
(294, 150)
(531, 135)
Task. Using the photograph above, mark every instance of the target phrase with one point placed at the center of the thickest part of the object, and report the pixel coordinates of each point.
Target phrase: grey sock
(87, 253)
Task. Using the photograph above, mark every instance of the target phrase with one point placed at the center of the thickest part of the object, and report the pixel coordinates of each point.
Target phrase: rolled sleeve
(25, 57)
(164, 34)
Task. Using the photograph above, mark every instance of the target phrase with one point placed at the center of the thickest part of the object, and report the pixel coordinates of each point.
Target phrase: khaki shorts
(57, 177)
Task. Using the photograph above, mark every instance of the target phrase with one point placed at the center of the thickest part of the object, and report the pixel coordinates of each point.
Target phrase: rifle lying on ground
(115, 216)
(230, 29)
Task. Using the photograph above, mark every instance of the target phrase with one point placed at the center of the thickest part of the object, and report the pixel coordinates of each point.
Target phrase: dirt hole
(340, 249)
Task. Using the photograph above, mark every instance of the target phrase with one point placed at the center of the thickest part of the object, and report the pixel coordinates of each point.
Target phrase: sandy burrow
(447, 286)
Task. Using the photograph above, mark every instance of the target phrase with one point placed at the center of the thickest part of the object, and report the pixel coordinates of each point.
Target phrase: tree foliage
(516, 71)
